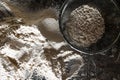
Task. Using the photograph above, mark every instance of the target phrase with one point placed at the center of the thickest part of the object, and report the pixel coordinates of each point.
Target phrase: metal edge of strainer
(102, 52)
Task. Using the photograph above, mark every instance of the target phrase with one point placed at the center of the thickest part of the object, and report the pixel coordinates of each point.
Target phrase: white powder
(4, 26)
(64, 53)
(51, 24)
(32, 46)
(73, 57)
(23, 53)
(29, 42)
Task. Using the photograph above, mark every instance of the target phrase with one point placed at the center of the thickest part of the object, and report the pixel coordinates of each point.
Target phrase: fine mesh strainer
(111, 15)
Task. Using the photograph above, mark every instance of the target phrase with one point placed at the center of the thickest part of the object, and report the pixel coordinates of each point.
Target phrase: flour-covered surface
(27, 54)
(31, 49)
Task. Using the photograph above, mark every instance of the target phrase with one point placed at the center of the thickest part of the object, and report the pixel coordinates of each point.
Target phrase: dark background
(118, 2)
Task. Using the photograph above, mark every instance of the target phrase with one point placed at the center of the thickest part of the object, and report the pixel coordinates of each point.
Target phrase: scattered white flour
(51, 24)
(4, 26)
(27, 40)
(49, 27)
(23, 55)
(3, 72)
(77, 57)
(65, 53)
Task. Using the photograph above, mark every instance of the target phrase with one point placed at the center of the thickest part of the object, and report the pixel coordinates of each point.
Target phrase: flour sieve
(111, 15)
